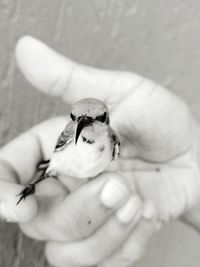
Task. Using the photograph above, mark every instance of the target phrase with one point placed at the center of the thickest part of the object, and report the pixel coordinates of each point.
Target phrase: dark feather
(115, 142)
(65, 137)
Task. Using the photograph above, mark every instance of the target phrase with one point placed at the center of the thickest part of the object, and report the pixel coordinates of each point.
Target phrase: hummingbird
(84, 148)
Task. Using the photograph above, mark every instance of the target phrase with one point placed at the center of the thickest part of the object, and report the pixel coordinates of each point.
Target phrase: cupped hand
(159, 162)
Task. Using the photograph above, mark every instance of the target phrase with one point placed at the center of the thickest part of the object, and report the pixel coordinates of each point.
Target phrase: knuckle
(52, 257)
(99, 247)
(94, 253)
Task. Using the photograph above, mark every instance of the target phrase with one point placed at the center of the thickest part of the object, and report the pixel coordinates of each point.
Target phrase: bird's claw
(28, 190)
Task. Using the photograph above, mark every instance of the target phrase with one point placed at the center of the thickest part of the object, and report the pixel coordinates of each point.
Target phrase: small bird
(84, 148)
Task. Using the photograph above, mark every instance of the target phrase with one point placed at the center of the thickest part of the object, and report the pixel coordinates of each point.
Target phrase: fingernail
(113, 193)
(148, 211)
(129, 210)
(7, 213)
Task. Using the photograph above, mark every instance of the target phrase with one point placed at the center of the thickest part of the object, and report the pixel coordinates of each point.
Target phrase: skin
(159, 165)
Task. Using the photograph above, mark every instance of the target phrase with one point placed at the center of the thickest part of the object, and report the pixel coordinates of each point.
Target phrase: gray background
(156, 38)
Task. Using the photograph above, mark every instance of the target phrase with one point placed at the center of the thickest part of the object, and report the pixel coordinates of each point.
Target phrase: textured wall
(159, 39)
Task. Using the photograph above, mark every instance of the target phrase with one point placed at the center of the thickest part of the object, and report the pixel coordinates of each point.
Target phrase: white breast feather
(83, 160)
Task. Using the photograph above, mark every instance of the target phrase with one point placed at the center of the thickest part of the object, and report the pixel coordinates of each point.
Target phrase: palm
(158, 148)
(162, 184)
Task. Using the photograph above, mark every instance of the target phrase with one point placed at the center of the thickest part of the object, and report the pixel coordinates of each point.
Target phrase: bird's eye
(73, 117)
(102, 117)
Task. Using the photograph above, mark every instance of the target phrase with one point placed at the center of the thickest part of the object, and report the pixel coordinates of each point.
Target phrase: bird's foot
(28, 190)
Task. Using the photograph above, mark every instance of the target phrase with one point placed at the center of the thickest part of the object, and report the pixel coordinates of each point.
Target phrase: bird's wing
(65, 137)
(115, 142)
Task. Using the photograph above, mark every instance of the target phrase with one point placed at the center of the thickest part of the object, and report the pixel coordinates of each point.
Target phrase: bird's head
(88, 111)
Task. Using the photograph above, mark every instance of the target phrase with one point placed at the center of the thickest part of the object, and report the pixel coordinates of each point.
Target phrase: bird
(83, 149)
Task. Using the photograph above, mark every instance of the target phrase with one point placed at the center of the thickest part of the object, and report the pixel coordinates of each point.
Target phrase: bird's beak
(82, 123)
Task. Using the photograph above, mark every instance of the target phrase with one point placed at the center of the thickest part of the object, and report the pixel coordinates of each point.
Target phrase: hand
(94, 220)
(158, 136)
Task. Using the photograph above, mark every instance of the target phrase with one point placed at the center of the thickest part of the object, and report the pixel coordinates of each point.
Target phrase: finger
(66, 78)
(26, 151)
(48, 191)
(135, 246)
(82, 212)
(101, 244)
(9, 210)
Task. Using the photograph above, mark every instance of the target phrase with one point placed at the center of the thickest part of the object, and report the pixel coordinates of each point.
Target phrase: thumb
(59, 76)
(9, 210)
